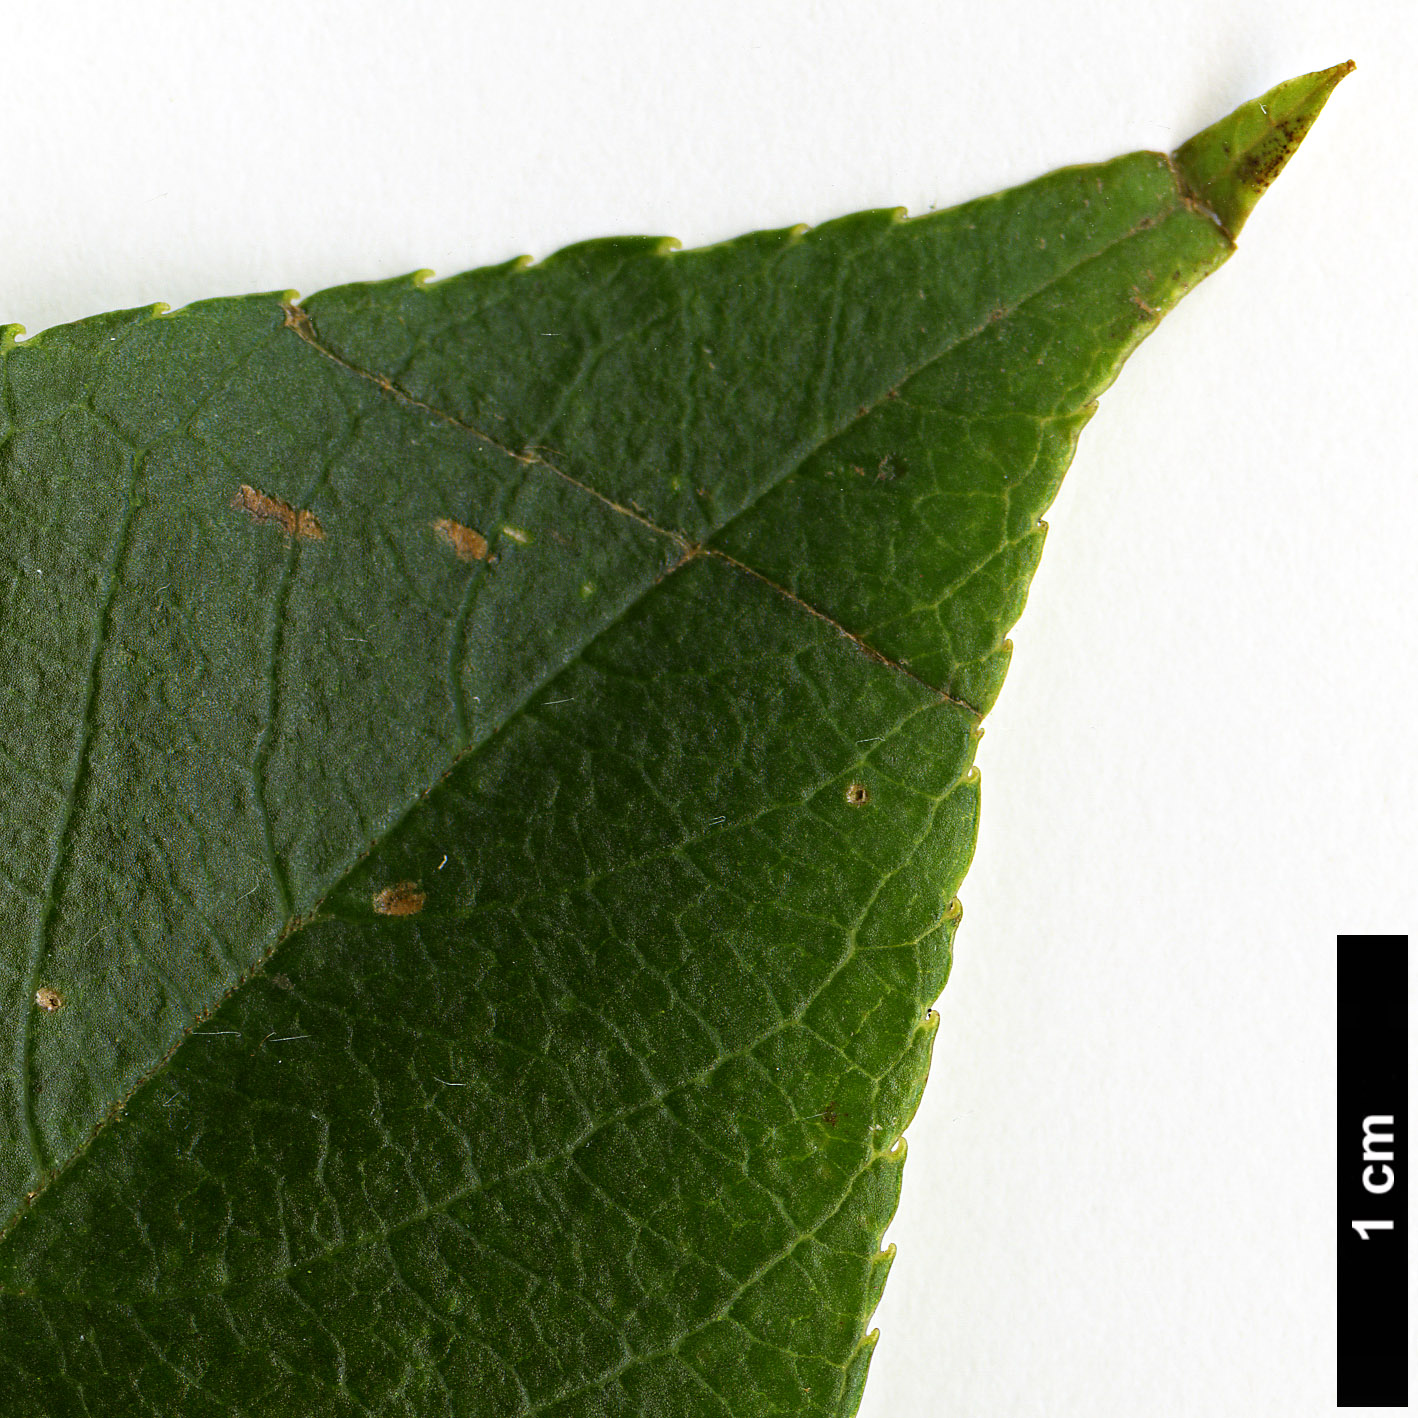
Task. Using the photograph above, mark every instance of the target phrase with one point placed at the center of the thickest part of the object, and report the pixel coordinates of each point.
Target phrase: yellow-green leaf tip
(1228, 166)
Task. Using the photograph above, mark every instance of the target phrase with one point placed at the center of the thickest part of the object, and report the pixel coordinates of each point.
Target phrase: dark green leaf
(486, 768)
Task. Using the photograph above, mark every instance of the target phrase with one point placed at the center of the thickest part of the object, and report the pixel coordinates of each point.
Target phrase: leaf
(487, 767)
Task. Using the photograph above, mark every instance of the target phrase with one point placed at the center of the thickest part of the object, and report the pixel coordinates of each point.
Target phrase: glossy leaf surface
(486, 770)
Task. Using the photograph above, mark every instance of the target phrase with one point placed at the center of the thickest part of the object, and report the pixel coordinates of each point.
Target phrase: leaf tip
(1228, 166)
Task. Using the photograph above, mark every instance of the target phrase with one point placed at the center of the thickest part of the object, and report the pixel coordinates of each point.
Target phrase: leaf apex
(1228, 166)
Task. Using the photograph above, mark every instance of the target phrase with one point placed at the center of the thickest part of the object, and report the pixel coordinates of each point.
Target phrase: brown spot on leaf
(262, 507)
(857, 794)
(296, 319)
(48, 999)
(468, 544)
(829, 1115)
(1261, 165)
(402, 899)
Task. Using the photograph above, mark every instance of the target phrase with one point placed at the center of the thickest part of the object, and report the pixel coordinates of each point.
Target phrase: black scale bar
(1373, 1171)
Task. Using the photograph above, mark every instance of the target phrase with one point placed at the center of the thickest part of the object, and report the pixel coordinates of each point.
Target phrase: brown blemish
(402, 899)
(829, 1115)
(296, 319)
(262, 507)
(1262, 164)
(468, 544)
(857, 794)
(48, 999)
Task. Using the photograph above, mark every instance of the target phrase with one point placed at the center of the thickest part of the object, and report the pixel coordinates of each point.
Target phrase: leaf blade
(630, 921)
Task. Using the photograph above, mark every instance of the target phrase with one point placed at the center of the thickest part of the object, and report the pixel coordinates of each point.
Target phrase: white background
(1120, 1195)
